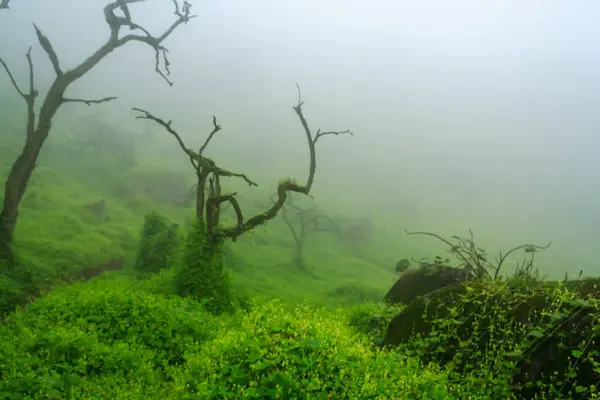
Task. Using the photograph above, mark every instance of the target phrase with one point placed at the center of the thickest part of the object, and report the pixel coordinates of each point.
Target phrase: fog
(465, 114)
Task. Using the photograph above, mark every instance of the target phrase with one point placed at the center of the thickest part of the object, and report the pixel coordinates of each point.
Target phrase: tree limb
(88, 102)
(287, 185)
(205, 167)
(28, 97)
(116, 22)
(216, 129)
(47, 46)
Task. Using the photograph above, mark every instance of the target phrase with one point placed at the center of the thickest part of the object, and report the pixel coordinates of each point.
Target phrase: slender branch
(458, 254)
(200, 160)
(28, 97)
(216, 128)
(88, 102)
(530, 248)
(224, 172)
(164, 124)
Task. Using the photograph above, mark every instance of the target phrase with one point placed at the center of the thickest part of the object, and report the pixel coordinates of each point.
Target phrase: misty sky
(466, 113)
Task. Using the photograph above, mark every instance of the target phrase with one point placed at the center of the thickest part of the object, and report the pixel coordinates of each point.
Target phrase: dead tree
(477, 260)
(209, 174)
(309, 222)
(37, 131)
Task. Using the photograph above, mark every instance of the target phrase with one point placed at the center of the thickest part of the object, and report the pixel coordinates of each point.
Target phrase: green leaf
(536, 333)
(580, 389)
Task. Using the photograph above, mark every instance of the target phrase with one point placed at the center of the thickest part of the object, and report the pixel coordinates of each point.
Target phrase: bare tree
(209, 174)
(305, 222)
(37, 131)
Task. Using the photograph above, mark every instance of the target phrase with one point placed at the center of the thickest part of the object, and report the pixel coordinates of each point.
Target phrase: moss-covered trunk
(201, 274)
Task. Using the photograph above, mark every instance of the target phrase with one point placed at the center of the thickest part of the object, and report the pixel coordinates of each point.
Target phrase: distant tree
(302, 223)
(202, 277)
(37, 131)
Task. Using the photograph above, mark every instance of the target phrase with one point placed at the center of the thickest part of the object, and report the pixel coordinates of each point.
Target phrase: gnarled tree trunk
(14, 189)
(37, 133)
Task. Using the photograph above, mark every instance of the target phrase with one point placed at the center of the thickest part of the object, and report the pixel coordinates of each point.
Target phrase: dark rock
(426, 279)
(545, 357)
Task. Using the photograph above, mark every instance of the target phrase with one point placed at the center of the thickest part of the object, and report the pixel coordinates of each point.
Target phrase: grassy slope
(57, 235)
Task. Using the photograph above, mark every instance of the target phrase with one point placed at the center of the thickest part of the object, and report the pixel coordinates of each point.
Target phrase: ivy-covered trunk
(201, 275)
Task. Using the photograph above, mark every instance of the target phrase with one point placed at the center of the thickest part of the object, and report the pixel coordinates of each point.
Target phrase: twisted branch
(206, 169)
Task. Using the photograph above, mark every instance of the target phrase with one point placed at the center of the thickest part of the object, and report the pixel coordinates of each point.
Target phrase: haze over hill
(465, 114)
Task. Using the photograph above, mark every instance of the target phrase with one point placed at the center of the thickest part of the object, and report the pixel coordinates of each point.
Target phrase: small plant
(478, 261)
(157, 242)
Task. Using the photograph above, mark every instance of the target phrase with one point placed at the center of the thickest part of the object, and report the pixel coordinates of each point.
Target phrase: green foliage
(201, 275)
(304, 354)
(508, 339)
(157, 242)
(355, 293)
(98, 341)
(372, 319)
(11, 292)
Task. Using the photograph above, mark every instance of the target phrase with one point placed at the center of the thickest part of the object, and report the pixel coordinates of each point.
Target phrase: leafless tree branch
(208, 173)
(216, 128)
(116, 22)
(30, 96)
(88, 102)
(47, 46)
(286, 185)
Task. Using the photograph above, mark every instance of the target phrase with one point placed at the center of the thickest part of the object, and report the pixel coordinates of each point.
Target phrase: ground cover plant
(116, 286)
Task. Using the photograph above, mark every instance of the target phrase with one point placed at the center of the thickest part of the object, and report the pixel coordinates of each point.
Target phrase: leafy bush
(83, 341)
(372, 318)
(304, 354)
(157, 242)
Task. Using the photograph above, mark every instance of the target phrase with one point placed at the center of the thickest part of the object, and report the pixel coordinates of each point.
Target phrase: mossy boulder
(541, 337)
(426, 279)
